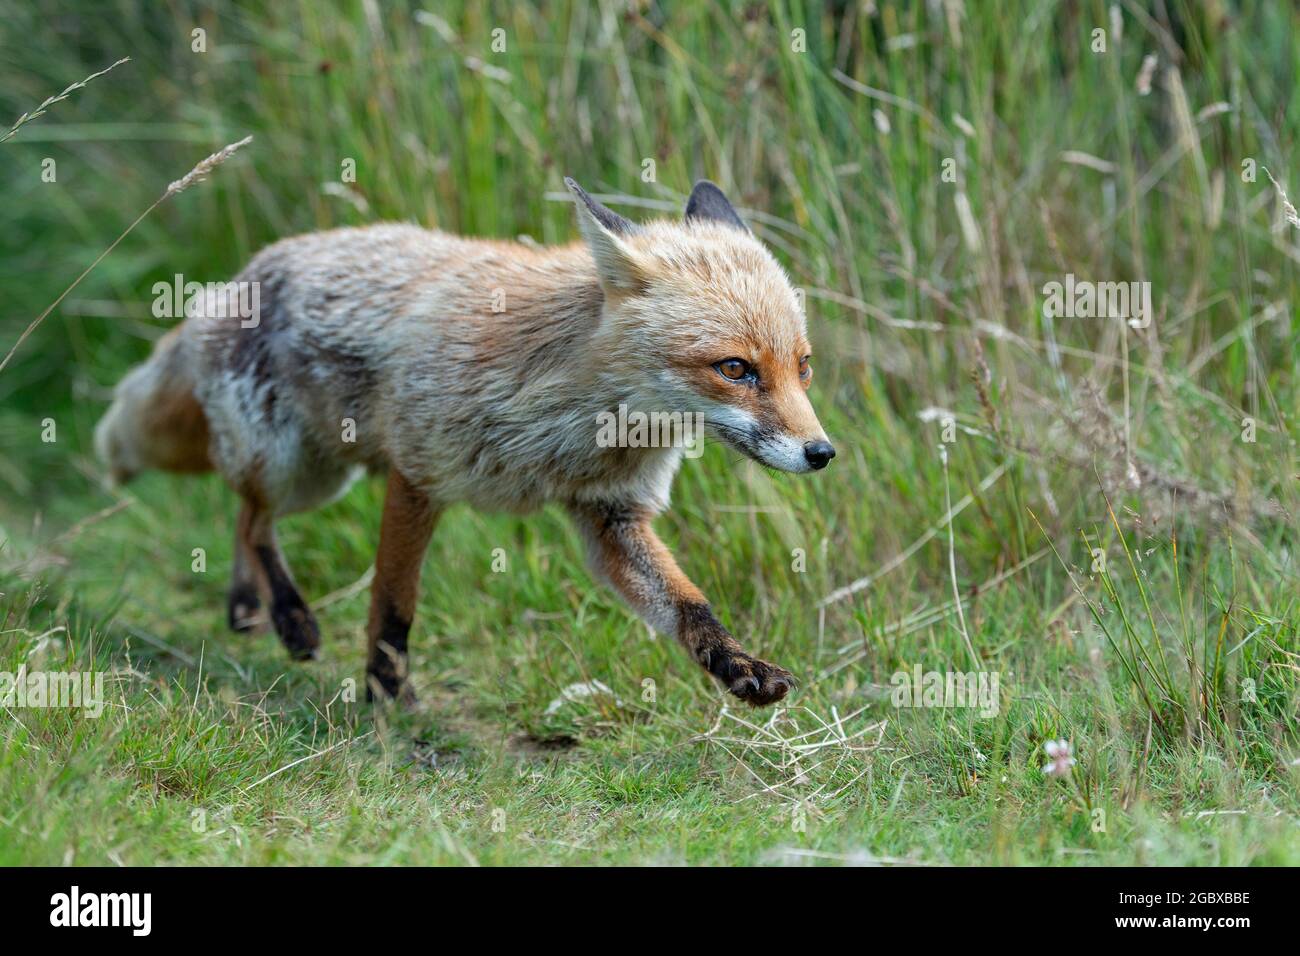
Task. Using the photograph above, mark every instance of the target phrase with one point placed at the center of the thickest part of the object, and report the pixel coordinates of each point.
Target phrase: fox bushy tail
(155, 421)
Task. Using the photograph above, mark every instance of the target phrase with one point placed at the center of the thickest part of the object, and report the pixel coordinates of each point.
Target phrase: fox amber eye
(805, 370)
(733, 368)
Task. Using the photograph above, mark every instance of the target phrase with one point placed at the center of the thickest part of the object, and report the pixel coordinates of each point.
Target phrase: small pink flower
(1061, 759)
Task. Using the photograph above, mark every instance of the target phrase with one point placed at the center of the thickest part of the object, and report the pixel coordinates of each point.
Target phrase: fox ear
(708, 204)
(605, 232)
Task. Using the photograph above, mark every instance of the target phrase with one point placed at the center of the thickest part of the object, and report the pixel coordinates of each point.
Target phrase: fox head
(698, 317)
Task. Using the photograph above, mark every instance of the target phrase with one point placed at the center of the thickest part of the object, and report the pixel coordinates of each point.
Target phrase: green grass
(1171, 667)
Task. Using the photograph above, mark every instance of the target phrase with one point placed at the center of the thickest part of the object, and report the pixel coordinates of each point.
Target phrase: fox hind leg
(404, 532)
(247, 582)
(292, 618)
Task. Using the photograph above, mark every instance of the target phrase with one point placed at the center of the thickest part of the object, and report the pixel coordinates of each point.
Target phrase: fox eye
(805, 370)
(733, 369)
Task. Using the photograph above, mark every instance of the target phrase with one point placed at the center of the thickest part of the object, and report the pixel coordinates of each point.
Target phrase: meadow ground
(1099, 512)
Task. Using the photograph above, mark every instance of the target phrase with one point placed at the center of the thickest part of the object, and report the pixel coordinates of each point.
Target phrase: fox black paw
(298, 629)
(756, 682)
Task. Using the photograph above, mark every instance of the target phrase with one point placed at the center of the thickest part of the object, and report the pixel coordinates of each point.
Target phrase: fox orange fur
(475, 370)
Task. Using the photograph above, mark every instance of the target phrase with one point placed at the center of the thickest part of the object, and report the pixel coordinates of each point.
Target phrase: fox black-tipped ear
(708, 204)
(606, 217)
(605, 232)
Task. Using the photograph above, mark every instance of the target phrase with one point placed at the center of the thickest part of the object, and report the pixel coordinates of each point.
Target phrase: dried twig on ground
(798, 765)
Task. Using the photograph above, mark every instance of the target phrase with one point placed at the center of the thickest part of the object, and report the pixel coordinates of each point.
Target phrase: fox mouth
(769, 448)
(742, 439)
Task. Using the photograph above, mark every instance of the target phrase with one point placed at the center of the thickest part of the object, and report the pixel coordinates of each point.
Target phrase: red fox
(475, 370)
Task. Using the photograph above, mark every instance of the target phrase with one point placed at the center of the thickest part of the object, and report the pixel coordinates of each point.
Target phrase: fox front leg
(626, 552)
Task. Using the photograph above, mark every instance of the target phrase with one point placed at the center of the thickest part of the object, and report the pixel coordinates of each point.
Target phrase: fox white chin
(781, 451)
(784, 453)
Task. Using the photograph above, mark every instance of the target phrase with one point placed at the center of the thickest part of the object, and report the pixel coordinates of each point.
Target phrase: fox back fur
(474, 370)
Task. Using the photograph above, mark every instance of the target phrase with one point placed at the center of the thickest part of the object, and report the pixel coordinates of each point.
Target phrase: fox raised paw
(754, 681)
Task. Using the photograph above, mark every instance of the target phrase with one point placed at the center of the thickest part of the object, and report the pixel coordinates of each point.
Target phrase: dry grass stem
(194, 175)
(40, 110)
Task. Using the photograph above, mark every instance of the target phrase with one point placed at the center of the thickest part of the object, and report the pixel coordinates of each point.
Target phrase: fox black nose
(818, 453)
